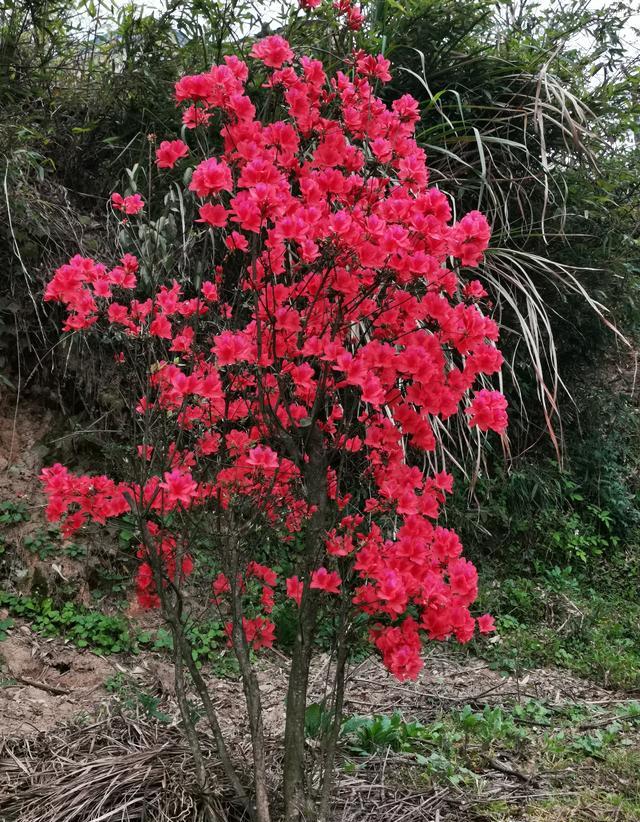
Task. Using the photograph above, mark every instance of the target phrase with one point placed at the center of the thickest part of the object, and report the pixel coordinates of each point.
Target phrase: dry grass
(114, 770)
(124, 769)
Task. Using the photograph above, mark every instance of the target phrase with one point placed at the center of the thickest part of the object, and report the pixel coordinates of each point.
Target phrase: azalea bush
(291, 389)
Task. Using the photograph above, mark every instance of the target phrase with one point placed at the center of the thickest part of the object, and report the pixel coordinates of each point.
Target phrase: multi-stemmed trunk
(297, 795)
(299, 800)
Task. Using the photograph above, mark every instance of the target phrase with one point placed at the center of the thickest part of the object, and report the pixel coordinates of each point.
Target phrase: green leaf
(313, 717)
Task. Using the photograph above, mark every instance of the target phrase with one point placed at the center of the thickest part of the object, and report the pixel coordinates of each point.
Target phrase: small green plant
(316, 720)
(433, 748)
(593, 744)
(163, 640)
(110, 583)
(206, 641)
(580, 535)
(127, 534)
(441, 767)
(43, 544)
(5, 626)
(368, 734)
(631, 711)
(12, 513)
(75, 551)
(117, 683)
(209, 646)
(86, 629)
(490, 726)
(135, 700)
(533, 711)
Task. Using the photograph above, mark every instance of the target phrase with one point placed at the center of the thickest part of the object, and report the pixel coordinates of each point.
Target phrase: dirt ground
(47, 682)
(22, 450)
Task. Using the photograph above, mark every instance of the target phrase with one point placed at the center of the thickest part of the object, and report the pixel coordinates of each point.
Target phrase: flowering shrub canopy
(331, 324)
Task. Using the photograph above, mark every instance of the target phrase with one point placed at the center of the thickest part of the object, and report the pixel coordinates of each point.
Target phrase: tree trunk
(171, 608)
(190, 731)
(212, 719)
(254, 709)
(327, 774)
(299, 805)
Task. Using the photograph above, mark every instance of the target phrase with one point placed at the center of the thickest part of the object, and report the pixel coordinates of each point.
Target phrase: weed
(5, 626)
(608, 791)
(135, 700)
(492, 725)
(533, 711)
(86, 629)
(163, 640)
(127, 535)
(317, 720)
(110, 583)
(43, 544)
(12, 513)
(440, 767)
(75, 551)
(593, 744)
(559, 619)
(209, 645)
(367, 734)
(108, 634)
(432, 748)
(454, 748)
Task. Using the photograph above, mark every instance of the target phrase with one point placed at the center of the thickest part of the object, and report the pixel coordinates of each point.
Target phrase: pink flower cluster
(350, 322)
(164, 547)
(169, 152)
(352, 14)
(95, 498)
(133, 204)
(83, 285)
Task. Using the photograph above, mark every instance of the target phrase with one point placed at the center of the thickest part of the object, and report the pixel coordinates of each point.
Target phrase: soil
(30, 666)
(26, 658)
(22, 451)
